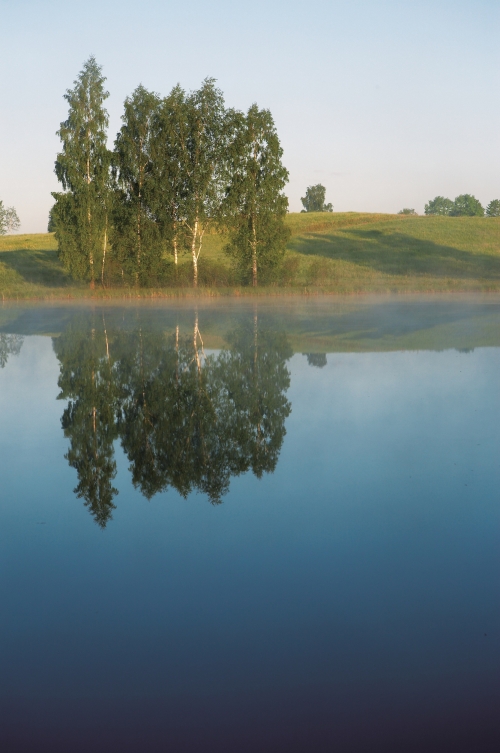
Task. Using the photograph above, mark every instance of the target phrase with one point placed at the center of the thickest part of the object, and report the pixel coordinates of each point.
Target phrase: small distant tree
(439, 205)
(314, 200)
(9, 220)
(493, 208)
(407, 211)
(466, 205)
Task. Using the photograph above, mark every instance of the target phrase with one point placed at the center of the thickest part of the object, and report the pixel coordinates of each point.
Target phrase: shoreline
(285, 297)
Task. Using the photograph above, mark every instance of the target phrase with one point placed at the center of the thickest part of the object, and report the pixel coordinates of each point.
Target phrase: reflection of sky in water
(341, 601)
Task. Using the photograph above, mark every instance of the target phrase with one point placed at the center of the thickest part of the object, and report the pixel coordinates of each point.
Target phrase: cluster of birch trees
(182, 166)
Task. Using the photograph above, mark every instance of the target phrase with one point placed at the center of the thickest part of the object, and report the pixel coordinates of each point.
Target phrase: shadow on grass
(398, 254)
(37, 266)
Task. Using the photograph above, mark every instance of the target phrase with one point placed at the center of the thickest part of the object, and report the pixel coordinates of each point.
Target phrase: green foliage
(439, 205)
(466, 205)
(51, 225)
(493, 208)
(255, 206)
(204, 165)
(407, 211)
(175, 179)
(314, 200)
(9, 220)
(83, 168)
(136, 238)
(168, 144)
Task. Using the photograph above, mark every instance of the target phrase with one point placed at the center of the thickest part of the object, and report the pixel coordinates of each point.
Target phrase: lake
(250, 526)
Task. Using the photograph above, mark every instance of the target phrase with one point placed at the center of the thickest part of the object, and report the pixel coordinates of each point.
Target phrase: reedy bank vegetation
(183, 166)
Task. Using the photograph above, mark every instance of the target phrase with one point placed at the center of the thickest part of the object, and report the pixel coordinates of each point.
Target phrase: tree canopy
(439, 205)
(255, 204)
(81, 214)
(493, 208)
(466, 205)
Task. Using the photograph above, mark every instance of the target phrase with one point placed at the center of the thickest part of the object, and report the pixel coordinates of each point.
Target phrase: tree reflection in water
(185, 419)
(10, 345)
(87, 380)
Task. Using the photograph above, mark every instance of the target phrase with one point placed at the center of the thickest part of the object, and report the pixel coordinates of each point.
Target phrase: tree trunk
(254, 254)
(193, 253)
(104, 248)
(175, 243)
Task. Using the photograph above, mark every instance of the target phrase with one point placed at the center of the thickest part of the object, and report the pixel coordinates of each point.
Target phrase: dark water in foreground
(250, 528)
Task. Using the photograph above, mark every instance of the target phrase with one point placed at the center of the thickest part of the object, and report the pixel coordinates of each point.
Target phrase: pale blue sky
(386, 103)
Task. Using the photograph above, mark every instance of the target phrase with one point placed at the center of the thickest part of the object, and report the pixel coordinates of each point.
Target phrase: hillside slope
(338, 253)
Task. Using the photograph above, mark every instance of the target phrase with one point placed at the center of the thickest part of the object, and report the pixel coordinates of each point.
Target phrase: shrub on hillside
(314, 200)
(9, 220)
(439, 205)
(466, 205)
(493, 208)
(406, 210)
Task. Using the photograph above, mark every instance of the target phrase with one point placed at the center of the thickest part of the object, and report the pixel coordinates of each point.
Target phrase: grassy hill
(336, 253)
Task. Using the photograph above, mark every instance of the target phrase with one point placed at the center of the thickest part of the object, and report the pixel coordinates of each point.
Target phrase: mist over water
(250, 527)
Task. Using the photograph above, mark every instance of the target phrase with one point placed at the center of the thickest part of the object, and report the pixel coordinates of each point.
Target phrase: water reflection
(186, 419)
(316, 359)
(10, 345)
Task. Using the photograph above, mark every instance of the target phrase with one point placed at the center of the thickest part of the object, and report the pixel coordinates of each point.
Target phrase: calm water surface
(250, 527)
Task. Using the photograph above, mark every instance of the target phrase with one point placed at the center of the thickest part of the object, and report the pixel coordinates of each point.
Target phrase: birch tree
(204, 154)
(169, 145)
(136, 237)
(83, 168)
(255, 205)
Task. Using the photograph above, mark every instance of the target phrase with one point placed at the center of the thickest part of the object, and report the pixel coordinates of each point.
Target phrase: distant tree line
(464, 205)
(181, 166)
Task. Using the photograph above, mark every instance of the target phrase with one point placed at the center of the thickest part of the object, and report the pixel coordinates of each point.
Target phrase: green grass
(335, 253)
(30, 268)
(394, 253)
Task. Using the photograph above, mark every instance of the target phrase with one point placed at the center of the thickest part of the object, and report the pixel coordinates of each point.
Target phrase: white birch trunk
(193, 253)
(104, 249)
(254, 254)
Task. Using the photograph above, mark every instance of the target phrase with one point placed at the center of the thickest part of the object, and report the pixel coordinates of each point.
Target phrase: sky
(386, 103)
